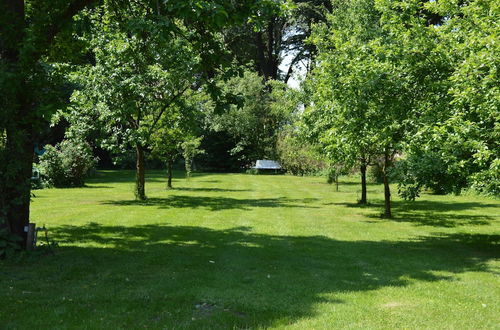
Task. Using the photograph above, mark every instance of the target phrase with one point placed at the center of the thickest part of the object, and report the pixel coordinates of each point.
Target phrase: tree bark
(19, 128)
(169, 171)
(140, 181)
(363, 183)
(17, 183)
(387, 189)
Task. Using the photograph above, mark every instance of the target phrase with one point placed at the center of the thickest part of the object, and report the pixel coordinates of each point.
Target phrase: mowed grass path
(224, 251)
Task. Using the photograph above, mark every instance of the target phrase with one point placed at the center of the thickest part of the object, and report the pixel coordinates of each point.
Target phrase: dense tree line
(413, 84)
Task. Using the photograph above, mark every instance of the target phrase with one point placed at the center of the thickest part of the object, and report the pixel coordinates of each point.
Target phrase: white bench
(263, 164)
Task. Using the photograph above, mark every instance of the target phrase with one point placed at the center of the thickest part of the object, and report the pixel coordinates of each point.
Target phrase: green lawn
(240, 251)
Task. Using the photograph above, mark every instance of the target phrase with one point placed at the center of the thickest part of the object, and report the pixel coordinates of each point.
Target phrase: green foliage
(275, 46)
(334, 171)
(298, 157)
(457, 145)
(376, 172)
(67, 164)
(254, 125)
(36, 34)
(252, 171)
(190, 149)
(387, 80)
(179, 123)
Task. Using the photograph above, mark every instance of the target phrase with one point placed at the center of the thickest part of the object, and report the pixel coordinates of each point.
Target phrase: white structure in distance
(263, 164)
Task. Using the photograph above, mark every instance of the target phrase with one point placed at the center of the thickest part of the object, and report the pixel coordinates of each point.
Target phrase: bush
(67, 163)
(298, 157)
(376, 173)
(252, 171)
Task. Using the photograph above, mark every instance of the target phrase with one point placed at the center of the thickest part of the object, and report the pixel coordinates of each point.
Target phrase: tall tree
(276, 45)
(458, 146)
(376, 72)
(136, 79)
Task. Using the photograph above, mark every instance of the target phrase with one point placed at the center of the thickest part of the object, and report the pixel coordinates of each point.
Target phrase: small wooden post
(30, 243)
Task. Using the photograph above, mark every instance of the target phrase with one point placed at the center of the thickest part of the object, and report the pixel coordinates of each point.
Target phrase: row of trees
(413, 84)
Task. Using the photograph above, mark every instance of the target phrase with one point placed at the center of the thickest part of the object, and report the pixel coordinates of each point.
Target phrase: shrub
(67, 163)
(298, 157)
(376, 173)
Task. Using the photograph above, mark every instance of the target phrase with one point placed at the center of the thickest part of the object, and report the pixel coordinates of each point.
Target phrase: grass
(224, 251)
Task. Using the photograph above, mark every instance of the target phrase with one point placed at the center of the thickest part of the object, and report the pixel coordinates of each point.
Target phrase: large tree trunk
(363, 183)
(169, 172)
(17, 184)
(140, 181)
(18, 157)
(387, 189)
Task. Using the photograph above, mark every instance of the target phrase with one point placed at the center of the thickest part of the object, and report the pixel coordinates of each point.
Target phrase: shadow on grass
(194, 277)
(431, 213)
(215, 203)
(96, 187)
(114, 176)
(208, 189)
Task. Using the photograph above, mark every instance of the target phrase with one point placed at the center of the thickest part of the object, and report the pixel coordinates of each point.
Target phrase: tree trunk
(140, 181)
(17, 187)
(387, 189)
(363, 183)
(169, 171)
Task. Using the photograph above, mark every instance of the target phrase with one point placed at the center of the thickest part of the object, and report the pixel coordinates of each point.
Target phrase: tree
(142, 69)
(190, 149)
(135, 81)
(176, 125)
(457, 146)
(376, 72)
(276, 45)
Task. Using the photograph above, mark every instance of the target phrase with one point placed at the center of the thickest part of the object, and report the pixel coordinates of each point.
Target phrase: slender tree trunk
(387, 189)
(363, 183)
(187, 164)
(169, 171)
(140, 181)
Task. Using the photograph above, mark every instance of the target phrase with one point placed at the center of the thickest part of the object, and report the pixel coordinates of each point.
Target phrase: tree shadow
(86, 186)
(355, 183)
(194, 277)
(120, 176)
(208, 189)
(431, 213)
(215, 203)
